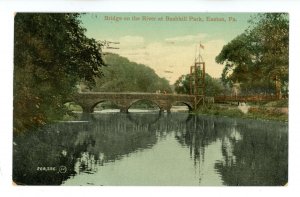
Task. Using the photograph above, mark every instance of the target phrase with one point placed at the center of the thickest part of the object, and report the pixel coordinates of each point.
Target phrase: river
(176, 149)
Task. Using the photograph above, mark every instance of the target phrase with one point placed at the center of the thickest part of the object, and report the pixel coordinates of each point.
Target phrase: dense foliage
(51, 55)
(122, 75)
(213, 86)
(258, 58)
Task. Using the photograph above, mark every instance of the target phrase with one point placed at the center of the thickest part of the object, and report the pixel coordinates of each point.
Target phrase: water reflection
(153, 149)
(255, 154)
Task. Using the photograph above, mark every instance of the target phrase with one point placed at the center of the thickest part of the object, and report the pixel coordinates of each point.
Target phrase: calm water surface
(153, 149)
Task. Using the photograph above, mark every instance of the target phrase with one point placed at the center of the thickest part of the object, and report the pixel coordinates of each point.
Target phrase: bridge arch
(104, 101)
(189, 105)
(147, 100)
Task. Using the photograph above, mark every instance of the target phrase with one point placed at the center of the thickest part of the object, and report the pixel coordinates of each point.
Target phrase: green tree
(51, 55)
(122, 75)
(271, 31)
(213, 86)
(258, 58)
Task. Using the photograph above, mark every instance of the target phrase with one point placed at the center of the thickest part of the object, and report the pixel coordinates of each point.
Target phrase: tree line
(258, 59)
(122, 75)
(51, 54)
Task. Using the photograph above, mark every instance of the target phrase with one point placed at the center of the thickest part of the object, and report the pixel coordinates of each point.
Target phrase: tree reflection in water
(257, 156)
(253, 154)
(86, 145)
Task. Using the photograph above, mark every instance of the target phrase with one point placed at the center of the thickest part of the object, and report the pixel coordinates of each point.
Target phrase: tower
(197, 74)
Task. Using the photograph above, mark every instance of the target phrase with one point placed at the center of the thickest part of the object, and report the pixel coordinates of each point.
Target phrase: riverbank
(277, 111)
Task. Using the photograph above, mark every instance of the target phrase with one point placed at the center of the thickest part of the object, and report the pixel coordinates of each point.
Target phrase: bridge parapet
(124, 100)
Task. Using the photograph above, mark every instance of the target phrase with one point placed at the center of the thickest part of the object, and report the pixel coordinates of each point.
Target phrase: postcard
(151, 99)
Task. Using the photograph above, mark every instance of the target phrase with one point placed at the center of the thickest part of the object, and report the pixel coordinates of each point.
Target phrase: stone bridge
(88, 100)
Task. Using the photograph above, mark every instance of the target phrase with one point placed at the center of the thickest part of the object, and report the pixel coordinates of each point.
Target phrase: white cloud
(212, 49)
(131, 41)
(187, 38)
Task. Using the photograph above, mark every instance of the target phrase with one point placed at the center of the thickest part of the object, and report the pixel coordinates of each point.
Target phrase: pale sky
(167, 46)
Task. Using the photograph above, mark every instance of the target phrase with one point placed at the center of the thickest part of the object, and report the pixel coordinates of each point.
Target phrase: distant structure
(236, 88)
(197, 81)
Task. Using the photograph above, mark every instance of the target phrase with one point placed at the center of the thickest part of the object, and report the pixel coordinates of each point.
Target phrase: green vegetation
(279, 103)
(73, 106)
(258, 58)
(51, 55)
(266, 113)
(254, 112)
(213, 86)
(123, 75)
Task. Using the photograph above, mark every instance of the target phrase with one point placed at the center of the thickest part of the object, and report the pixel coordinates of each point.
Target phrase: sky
(167, 42)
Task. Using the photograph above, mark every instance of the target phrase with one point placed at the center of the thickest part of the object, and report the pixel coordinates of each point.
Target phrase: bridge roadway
(124, 100)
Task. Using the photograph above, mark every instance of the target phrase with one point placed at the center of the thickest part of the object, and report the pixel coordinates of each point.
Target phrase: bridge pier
(87, 109)
(123, 110)
(165, 106)
(163, 110)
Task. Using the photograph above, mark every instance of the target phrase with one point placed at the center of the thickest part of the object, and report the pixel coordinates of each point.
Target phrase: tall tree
(51, 55)
(258, 58)
(272, 32)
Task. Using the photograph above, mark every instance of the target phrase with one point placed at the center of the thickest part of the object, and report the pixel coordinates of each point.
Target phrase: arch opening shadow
(105, 106)
(181, 107)
(143, 106)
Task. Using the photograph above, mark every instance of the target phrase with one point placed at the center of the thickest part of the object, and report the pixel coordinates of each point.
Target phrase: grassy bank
(254, 112)
(267, 114)
(280, 103)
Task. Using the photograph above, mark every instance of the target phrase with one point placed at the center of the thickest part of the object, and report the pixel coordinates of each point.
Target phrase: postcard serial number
(46, 169)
